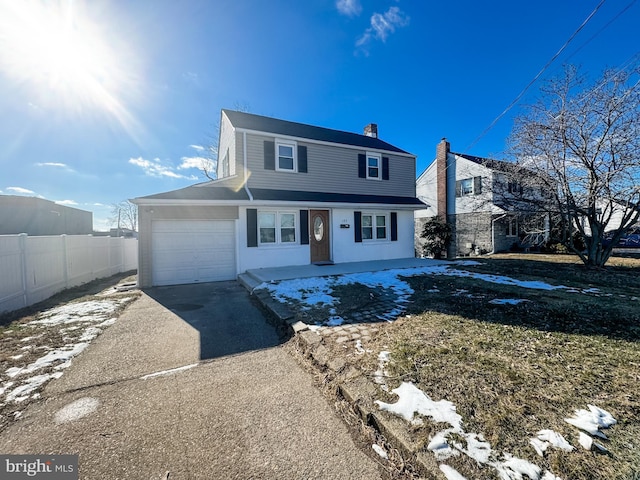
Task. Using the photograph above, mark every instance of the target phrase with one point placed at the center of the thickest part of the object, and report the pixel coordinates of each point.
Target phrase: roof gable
(259, 123)
(497, 165)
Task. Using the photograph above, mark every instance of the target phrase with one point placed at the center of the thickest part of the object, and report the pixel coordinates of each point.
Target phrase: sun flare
(59, 51)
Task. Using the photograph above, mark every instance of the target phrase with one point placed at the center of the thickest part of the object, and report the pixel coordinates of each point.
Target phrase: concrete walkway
(252, 415)
(305, 271)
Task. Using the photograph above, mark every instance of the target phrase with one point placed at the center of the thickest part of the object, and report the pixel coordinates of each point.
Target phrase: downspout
(246, 169)
(493, 232)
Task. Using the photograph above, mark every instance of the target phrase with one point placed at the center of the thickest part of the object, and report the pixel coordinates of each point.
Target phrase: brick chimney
(441, 178)
(371, 130)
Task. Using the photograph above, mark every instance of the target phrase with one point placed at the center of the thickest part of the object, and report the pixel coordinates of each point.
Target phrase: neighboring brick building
(36, 217)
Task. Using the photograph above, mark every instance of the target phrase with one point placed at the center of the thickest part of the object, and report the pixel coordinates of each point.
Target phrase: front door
(320, 248)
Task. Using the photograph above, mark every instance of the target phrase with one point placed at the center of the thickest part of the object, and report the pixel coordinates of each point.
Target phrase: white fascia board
(320, 142)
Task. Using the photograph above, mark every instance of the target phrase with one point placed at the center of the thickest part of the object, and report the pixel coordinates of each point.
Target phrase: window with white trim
(374, 226)
(276, 228)
(374, 166)
(286, 156)
(466, 187)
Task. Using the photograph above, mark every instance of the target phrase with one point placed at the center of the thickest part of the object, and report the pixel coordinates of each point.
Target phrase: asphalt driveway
(190, 381)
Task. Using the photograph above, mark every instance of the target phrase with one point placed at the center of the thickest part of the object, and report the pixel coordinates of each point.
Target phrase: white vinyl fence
(34, 268)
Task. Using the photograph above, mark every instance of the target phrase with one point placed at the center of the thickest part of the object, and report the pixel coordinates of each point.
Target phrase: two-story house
(482, 200)
(286, 194)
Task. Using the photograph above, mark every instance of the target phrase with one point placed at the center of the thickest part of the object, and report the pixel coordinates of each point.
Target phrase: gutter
(246, 170)
(493, 232)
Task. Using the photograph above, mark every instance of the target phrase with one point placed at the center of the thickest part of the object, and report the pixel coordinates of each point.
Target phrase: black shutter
(269, 155)
(477, 185)
(394, 226)
(304, 227)
(458, 188)
(362, 165)
(385, 168)
(357, 226)
(252, 227)
(302, 159)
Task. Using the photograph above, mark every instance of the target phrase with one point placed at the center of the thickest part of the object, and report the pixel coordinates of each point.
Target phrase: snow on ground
(413, 403)
(76, 410)
(317, 291)
(78, 323)
(380, 451)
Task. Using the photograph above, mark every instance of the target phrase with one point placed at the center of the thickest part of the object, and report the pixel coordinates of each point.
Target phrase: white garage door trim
(192, 251)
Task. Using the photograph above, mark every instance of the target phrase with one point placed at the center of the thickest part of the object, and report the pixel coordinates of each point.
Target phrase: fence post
(65, 265)
(23, 263)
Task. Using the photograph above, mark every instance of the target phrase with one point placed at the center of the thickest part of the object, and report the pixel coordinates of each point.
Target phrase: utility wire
(517, 99)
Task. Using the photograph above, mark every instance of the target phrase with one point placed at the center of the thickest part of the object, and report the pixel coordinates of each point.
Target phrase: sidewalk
(141, 403)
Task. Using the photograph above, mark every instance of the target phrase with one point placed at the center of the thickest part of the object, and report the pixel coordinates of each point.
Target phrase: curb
(355, 389)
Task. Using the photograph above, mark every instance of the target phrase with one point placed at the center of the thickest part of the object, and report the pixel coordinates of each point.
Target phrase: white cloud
(195, 162)
(24, 191)
(198, 148)
(350, 8)
(382, 24)
(66, 202)
(155, 168)
(52, 164)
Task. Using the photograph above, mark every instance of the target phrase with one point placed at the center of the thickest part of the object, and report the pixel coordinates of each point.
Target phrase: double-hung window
(466, 187)
(374, 227)
(512, 227)
(374, 165)
(276, 228)
(286, 156)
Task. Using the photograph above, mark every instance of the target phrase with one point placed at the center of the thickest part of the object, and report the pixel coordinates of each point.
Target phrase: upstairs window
(285, 153)
(466, 187)
(469, 186)
(373, 166)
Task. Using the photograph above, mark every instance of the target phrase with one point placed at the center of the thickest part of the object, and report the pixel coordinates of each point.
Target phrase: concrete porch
(254, 277)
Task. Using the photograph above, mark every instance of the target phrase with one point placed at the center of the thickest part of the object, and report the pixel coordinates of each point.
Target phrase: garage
(192, 251)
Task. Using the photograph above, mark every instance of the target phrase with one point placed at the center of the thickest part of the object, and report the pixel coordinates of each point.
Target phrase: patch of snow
(89, 334)
(88, 311)
(412, 400)
(549, 476)
(335, 321)
(16, 357)
(440, 446)
(451, 473)
(63, 355)
(548, 438)
(592, 420)
(21, 393)
(507, 301)
(359, 349)
(513, 468)
(168, 372)
(467, 263)
(380, 451)
(381, 373)
(314, 328)
(76, 410)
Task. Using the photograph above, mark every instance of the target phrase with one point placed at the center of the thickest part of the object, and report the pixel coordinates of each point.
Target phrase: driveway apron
(190, 382)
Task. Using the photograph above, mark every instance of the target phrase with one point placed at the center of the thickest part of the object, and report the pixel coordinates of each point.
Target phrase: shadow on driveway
(228, 320)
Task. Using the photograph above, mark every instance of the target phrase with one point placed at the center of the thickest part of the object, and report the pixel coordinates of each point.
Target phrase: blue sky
(107, 100)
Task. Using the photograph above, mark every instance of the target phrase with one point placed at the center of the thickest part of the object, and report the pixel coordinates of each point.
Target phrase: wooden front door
(319, 225)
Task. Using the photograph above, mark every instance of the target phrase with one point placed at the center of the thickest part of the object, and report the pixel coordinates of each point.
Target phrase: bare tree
(580, 146)
(124, 215)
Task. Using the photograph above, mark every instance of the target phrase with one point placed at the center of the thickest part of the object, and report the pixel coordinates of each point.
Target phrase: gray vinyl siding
(146, 214)
(331, 169)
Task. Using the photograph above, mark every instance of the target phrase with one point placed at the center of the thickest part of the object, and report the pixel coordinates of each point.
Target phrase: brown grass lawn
(513, 370)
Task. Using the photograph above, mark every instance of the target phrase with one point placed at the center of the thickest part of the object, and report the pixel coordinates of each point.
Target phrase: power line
(517, 99)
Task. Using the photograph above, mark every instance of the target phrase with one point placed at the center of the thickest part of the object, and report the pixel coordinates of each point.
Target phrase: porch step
(248, 281)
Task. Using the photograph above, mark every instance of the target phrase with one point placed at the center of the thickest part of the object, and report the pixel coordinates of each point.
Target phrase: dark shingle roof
(499, 165)
(250, 121)
(196, 192)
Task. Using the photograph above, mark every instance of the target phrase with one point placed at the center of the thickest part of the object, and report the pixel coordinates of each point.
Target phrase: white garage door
(192, 251)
